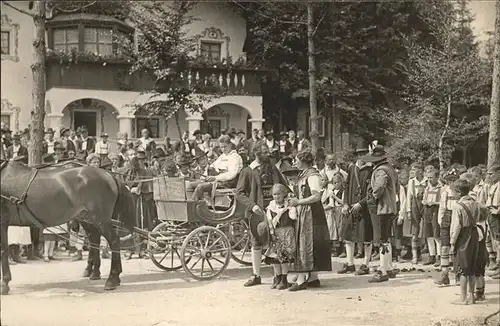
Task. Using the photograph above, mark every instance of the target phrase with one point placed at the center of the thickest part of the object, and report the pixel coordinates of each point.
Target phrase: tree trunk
(443, 135)
(494, 130)
(312, 77)
(35, 146)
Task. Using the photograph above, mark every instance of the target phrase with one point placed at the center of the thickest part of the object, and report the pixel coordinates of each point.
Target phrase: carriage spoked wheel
(164, 245)
(239, 235)
(205, 253)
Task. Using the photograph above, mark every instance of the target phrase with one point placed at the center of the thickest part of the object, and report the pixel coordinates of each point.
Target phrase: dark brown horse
(54, 195)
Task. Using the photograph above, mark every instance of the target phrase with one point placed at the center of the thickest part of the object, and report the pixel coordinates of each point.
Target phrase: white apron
(19, 235)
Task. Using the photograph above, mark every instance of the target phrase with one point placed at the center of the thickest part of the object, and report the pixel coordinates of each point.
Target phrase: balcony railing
(115, 76)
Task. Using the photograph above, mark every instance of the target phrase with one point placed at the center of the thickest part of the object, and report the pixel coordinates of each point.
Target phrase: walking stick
(142, 211)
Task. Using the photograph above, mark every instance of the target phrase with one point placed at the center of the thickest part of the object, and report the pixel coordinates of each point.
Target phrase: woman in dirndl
(313, 250)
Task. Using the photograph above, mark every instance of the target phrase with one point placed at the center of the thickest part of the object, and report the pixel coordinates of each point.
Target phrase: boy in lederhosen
(447, 200)
(430, 201)
(415, 208)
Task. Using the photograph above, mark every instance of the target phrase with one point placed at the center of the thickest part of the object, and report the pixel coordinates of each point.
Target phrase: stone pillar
(126, 123)
(55, 121)
(257, 123)
(194, 123)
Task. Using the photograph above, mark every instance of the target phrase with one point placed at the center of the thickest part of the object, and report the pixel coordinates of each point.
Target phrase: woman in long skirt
(313, 253)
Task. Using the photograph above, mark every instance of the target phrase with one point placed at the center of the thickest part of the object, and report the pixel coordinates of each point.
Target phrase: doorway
(86, 118)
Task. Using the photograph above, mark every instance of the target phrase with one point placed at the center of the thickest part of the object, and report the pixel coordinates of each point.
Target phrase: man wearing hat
(384, 186)
(103, 147)
(357, 226)
(184, 162)
(17, 150)
(285, 147)
(65, 141)
(273, 147)
(88, 143)
(254, 192)
(49, 142)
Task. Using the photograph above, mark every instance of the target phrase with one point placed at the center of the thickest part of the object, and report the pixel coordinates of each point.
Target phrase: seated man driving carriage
(227, 167)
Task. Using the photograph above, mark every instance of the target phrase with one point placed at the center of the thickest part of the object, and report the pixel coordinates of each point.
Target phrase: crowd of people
(306, 206)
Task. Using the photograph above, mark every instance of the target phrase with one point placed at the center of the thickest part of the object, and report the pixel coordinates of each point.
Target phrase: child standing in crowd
(281, 251)
(332, 204)
(464, 239)
(415, 208)
(447, 200)
(430, 201)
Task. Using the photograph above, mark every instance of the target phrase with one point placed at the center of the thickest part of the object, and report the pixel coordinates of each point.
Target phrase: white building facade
(101, 94)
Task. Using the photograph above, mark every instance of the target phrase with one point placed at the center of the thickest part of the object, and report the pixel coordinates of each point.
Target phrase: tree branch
(78, 8)
(319, 22)
(18, 9)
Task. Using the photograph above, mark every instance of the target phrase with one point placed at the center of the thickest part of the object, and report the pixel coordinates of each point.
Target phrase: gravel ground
(53, 294)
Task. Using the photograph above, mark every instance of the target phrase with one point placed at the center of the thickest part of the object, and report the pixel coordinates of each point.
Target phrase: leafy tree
(444, 90)
(360, 52)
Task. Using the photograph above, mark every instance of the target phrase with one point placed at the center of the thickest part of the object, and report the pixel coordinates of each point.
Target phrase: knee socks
(438, 246)
(349, 249)
(431, 244)
(385, 258)
(445, 258)
(256, 261)
(277, 269)
(414, 248)
(368, 254)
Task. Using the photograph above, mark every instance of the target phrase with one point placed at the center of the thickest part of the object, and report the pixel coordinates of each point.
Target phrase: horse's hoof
(95, 276)
(86, 273)
(4, 289)
(111, 284)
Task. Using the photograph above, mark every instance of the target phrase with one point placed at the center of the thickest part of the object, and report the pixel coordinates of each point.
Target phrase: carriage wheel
(164, 247)
(239, 235)
(205, 253)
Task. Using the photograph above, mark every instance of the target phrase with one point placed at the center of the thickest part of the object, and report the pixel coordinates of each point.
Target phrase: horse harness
(18, 202)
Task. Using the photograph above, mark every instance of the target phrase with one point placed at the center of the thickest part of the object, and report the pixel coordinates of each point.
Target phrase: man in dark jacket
(254, 192)
(383, 207)
(17, 150)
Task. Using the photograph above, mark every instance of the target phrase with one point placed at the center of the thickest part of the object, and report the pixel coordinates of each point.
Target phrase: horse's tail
(124, 207)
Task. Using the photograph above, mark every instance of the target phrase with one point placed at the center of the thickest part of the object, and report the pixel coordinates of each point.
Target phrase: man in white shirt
(102, 148)
(228, 166)
(50, 142)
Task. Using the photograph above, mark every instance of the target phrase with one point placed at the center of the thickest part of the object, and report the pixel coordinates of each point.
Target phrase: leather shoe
(254, 280)
(295, 287)
(314, 284)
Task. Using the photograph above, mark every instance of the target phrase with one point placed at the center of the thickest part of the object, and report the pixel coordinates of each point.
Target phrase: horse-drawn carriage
(194, 235)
